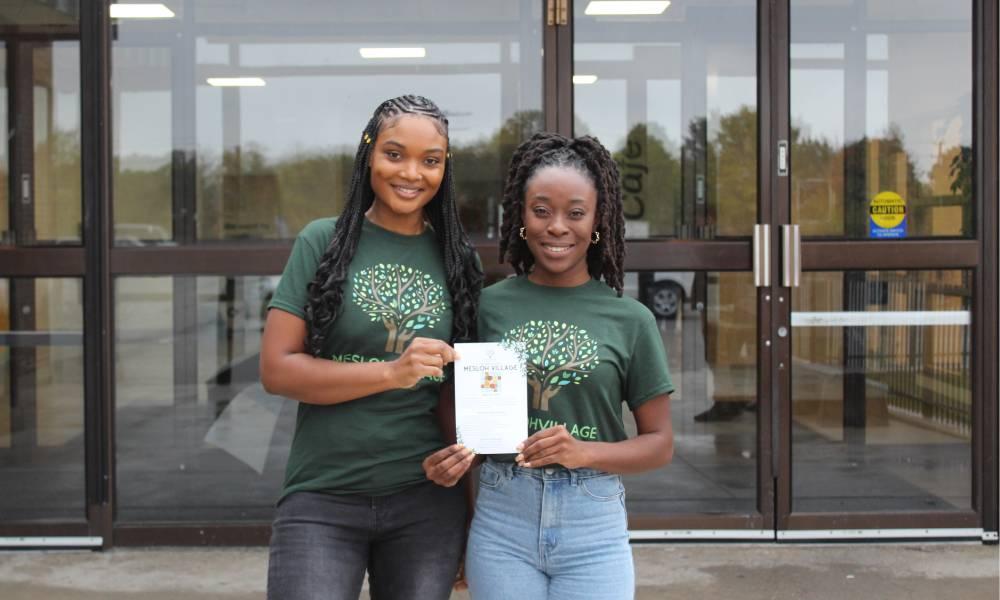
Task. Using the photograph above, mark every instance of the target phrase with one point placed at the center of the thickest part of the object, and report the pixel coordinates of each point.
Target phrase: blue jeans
(549, 533)
(410, 543)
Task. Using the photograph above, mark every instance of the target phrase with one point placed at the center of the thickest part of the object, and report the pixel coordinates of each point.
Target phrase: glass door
(42, 441)
(671, 89)
(875, 325)
(798, 179)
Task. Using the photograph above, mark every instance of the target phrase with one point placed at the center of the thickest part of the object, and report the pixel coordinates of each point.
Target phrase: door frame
(977, 254)
(27, 259)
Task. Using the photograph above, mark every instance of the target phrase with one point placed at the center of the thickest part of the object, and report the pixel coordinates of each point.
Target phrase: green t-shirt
(587, 352)
(396, 289)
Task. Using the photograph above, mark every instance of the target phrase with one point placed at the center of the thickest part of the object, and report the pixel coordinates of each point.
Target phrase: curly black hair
(606, 259)
(463, 271)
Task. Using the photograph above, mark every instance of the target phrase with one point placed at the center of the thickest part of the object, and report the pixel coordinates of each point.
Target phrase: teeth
(557, 248)
(407, 191)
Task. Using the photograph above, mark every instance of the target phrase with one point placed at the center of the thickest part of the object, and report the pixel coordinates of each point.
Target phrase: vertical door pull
(791, 256)
(563, 17)
(550, 12)
(25, 189)
(762, 255)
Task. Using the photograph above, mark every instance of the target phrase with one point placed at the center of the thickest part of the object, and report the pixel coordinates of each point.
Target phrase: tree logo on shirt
(556, 355)
(405, 299)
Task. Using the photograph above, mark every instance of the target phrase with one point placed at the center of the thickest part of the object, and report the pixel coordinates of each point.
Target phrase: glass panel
(40, 193)
(199, 162)
(881, 105)
(708, 323)
(198, 438)
(41, 399)
(882, 391)
(142, 178)
(674, 97)
(58, 199)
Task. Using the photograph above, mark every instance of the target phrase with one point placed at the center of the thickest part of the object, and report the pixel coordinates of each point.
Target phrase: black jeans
(410, 542)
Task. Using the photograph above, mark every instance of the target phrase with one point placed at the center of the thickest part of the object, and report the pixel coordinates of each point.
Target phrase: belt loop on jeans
(506, 468)
(574, 477)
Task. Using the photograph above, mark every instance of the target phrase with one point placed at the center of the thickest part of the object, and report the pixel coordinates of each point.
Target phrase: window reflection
(57, 186)
(881, 101)
(708, 325)
(41, 399)
(40, 198)
(41, 151)
(198, 438)
(674, 97)
(196, 161)
(881, 391)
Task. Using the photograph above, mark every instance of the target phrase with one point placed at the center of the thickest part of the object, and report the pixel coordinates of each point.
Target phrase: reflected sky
(880, 69)
(308, 103)
(319, 90)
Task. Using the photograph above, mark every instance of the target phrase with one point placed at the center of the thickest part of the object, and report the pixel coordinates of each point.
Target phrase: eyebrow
(546, 198)
(428, 151)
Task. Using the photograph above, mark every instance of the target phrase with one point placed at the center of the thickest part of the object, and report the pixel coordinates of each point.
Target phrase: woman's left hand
(461, 583)
(447, 466)
(551, 446)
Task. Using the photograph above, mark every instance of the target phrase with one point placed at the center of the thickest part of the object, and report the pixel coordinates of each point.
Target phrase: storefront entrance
(818, 291)
(811, 204)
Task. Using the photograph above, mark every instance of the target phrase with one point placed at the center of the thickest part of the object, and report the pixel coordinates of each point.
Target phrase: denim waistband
(554, 472)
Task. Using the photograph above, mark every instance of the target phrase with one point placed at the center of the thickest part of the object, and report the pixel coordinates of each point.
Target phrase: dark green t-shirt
(396, 289)
(587, 352)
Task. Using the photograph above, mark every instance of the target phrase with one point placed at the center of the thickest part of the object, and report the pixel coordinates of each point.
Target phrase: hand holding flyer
(491, 398)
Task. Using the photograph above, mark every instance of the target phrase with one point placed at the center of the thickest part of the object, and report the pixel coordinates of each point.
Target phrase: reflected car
(664, 292)
(141, 234)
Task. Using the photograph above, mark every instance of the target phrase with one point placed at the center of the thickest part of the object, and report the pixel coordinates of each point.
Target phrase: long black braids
(606, 258)
(463, 272)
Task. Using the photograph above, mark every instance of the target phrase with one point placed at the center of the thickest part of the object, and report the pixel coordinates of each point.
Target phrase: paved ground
(731, 572)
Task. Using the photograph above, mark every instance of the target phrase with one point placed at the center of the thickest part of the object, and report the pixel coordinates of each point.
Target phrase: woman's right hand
(424, 357)
(447, 466)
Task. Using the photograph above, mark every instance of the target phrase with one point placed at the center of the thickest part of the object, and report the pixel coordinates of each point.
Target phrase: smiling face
(407, 166)
(560, 208)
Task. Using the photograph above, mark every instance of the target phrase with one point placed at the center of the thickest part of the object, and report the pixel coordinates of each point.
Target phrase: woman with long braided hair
(550, 522)
(359, 333)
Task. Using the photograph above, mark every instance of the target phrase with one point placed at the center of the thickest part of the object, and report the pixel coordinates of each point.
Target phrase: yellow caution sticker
(887, 213)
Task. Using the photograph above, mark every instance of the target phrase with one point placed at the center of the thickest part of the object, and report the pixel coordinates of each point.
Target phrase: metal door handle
(762, 255)
(791, 256)
(25, 189)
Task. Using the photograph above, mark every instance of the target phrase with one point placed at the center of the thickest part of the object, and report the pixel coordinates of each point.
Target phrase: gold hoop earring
(596, 237)
(521, 233)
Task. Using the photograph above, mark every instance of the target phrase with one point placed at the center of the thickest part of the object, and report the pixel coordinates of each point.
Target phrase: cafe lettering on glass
(634, 171)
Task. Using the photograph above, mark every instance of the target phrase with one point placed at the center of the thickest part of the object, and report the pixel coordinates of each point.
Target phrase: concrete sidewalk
(954, 571)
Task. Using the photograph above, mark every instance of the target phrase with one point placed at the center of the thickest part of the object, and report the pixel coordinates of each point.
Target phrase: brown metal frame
(985, 108)
(781, 312)
(21, 110)
(41, 262)
(95, 148)
(769, 44)
(564, 70)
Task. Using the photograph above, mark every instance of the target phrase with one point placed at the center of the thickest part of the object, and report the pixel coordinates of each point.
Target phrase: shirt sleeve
(648, 375)
(291, 294)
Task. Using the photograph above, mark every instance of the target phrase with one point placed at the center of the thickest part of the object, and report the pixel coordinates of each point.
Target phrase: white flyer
(491, 398)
